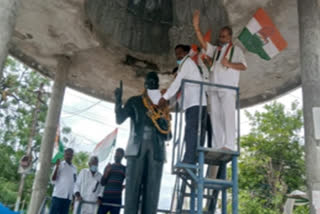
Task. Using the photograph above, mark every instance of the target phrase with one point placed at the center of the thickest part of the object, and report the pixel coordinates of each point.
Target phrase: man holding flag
(225, 62)
(64, 177)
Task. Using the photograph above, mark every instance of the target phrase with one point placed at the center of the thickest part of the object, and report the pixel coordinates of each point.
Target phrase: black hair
(68, 150)
(185, 48)
(229, 29)
(152, 75)
(94, 158)
(120, 150)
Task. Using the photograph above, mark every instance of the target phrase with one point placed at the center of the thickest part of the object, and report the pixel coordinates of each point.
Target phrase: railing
(196, 171)
(179, 143)
(42, 209)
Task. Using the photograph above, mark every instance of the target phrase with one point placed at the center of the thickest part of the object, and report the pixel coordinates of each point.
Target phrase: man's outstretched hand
(162, 103)
(118, 92)
(196, 19)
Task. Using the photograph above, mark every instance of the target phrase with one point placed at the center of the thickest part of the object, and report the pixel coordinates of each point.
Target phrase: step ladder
(191, 182)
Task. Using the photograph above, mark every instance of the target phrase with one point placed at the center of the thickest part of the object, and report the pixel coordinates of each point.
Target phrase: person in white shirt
(64, 177)
(225, 61)
(88, 187)
(191, 102)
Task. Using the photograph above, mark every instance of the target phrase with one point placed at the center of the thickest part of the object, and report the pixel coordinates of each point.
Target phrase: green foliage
(80, 160)
(18, 98)
(272, 162)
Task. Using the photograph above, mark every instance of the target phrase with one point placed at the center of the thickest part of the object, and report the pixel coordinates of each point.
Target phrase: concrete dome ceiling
(112, 40)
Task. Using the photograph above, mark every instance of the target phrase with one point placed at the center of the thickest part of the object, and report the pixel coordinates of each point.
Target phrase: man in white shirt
(225, 61)
(87, 187)
(63, 178)
(191, 100)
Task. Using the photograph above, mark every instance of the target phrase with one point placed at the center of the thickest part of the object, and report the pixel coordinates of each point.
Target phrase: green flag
(59, 151)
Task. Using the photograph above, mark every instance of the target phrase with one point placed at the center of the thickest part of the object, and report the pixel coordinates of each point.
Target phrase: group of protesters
(89, 188)
(219, 64)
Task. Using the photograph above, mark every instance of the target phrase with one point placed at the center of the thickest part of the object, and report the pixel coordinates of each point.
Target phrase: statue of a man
(150, 128)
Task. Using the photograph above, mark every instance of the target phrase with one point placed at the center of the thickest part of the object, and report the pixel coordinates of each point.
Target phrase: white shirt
(66, 178)
(187, 70)
(204, 68)
(89, 187)
(220, 74)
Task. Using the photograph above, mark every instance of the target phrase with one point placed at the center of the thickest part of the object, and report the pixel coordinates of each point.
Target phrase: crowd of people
(219, 63)
(89, 187)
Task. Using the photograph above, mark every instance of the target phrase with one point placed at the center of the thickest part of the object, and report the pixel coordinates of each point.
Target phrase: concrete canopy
(112, 40)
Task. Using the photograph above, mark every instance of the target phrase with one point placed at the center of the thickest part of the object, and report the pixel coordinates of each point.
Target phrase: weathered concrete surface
(8, 14)
(110, 40)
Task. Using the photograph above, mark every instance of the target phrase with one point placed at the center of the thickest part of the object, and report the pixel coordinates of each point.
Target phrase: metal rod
(235, 185)
(193, 199)
(238, 122)
(211, 84)
(200, 182)
(200, 118)
(180, 148)
(224, 192)
(219, 182)
(175, 135)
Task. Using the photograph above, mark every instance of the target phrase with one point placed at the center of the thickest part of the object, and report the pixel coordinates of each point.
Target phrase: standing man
(188, 70)
(87, 187)
(225, 61)
(64, 177)
(112, 180)
(150, 127)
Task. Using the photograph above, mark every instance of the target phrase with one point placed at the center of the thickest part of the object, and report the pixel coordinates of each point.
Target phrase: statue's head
(151, 81)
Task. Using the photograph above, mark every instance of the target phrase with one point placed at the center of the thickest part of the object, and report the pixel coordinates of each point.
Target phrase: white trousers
(223, 118)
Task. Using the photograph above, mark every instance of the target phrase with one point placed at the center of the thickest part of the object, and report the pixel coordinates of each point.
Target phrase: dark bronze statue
(150, 128)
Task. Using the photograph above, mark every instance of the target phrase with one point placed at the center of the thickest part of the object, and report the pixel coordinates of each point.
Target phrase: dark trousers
(104, 209)
(59, 206)
(191, 132)
(143, 179)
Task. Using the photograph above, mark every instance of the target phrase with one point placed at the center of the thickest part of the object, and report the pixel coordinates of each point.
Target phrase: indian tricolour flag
(58, 152)
(103, 149)
(261, 36)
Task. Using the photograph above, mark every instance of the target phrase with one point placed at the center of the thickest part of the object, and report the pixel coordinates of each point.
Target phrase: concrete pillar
(8, 14)
(41, 181)
(309, 26)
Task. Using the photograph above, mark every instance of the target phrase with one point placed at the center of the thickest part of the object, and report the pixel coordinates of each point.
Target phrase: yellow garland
(155, 113)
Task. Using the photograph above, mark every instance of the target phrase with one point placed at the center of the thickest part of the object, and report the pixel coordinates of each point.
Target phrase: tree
(18, 97)
(272, 160)
(80, 160)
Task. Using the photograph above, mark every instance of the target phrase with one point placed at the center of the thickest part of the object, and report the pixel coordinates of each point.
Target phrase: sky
(92, 119)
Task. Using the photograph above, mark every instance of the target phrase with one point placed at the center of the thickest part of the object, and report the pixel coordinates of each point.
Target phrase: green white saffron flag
(261, 36)
(58, 152)
(103, 149)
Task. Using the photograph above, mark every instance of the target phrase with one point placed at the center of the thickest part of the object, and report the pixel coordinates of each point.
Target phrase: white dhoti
(85, 208)
(223, 118)
(89, 187)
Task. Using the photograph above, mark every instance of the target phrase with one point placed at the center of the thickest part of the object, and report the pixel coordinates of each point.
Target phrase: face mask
(93, 168)
(179, 62)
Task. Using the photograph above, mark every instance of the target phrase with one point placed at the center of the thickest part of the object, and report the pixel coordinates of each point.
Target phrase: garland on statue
(156, 114)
